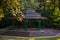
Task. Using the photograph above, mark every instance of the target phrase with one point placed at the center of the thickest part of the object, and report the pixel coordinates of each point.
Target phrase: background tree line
(47, 8)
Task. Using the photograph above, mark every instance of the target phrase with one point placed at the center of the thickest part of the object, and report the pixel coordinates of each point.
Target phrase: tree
(51, 10)
(13, 7)
(34, 4)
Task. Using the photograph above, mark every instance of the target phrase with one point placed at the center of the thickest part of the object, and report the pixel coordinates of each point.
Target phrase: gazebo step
(30, 33)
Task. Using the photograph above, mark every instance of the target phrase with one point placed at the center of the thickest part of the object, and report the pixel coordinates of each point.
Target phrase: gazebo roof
(32, 14)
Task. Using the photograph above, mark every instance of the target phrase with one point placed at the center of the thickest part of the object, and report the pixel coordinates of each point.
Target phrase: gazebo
(29, 15)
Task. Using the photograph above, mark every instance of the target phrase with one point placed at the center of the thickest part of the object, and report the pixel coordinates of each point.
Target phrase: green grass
(53, 38)
(12, 39)
(9, 38)
(45, 39)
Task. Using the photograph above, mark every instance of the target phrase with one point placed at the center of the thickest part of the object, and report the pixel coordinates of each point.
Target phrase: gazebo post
(25, 25)
(39, 24)
(43, 24)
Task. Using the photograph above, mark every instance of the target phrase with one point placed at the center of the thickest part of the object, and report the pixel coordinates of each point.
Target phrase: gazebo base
(31, 32)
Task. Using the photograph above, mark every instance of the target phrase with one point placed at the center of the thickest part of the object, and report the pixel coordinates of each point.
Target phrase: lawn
(52, 38)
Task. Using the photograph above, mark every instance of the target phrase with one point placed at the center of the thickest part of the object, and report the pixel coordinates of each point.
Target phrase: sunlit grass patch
(31, 39)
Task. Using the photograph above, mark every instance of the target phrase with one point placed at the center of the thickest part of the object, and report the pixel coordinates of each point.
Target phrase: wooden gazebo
(30, 15)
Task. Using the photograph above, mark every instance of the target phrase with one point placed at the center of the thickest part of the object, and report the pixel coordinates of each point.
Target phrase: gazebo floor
(32, 32)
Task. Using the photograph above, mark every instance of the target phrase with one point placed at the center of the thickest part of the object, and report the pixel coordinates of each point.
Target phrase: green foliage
(34, 4)
(51, 10)
(13, 7)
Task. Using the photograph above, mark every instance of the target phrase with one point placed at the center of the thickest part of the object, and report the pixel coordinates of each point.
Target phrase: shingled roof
(32, 14)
